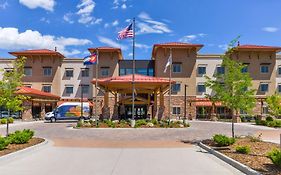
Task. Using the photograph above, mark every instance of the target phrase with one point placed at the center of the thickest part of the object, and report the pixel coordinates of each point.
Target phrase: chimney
(55, 48)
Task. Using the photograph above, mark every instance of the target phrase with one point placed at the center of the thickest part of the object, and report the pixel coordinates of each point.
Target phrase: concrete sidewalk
(116, 161)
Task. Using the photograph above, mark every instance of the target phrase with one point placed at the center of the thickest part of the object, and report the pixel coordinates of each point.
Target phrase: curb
(18, 153)
(243, 168)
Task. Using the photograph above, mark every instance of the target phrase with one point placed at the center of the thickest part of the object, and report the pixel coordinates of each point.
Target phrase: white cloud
(106, 25)
(43, 19)
(67, 17)
(270, 29)
(190, 38)
(223, 46)
(141, 46)
(115, 23)
(85, 10)
(111, 43)
(12, 39)
(130, 54)
(45, 4)
(120, 4)
(148, 25)
(4, 5)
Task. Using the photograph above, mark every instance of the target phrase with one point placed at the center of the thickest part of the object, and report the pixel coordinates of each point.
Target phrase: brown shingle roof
(258, 47)
(37, 52)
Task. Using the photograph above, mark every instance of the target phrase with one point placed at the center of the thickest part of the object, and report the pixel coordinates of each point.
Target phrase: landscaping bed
(16, 147)
(142, 123)
(257, 157)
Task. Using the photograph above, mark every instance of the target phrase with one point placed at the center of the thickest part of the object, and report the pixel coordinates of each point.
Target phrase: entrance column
(115, 110)
(149, 107)
(155, 104)
(43, 111)
(161, 107)
(106, 109)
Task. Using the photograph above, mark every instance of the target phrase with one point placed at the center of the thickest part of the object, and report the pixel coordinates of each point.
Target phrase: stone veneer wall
(178, 101)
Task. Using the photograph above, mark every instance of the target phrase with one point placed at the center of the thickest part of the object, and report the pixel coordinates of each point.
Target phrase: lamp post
(185, 98)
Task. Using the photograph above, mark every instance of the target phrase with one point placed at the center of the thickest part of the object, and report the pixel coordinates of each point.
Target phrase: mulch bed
(16, 147)
(257, 158)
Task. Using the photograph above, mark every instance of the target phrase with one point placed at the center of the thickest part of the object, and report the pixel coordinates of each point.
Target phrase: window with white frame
(176, 87)
(176, 67)
(201, 69)
(220, 69)
(47, 88)
(264, 68)
(279, 88)
(85, 89)
(28, 71)
(85, 72)
(69, 72)
(69, 89)
(47, 71)
(176, 110)
(104, 71)
(264, 87)
(201, 88)
(279, 70)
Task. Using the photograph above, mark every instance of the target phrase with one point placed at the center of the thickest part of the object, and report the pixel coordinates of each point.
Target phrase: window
(69, 89)
(28, 71)
(176, 88)
(151, 72)
(141, 71)
(264, 68)
(176, 110)
(69, 72)
(129, 71)
(46, 88)
(245, 68)
(201, 70)
(122, 71)
(201, 88)
(85, 89)
(47, 71)
(176, 67)
(220, 70)
(85, 72)
(279, 88)
(27, 85)
(264, 87)
(104, 71)
(279, 70)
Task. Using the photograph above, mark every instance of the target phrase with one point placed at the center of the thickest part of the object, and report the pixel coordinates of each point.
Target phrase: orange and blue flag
(90, 59)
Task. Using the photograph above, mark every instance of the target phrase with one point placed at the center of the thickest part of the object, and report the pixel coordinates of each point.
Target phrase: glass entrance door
(140, 111)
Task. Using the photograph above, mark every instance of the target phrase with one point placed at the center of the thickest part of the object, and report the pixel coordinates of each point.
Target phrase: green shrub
(79, 124)
(270, 123)
(275, 156)
(277, 123)
(3, 121)
(243, 149)
(140, 123)
(21, 137)
(269, 119)
(222, 140)
(4, 142)
(154, 121)
(11, 120)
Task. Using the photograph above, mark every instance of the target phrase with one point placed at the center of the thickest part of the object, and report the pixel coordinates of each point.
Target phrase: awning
(36, 94)
(203, 102)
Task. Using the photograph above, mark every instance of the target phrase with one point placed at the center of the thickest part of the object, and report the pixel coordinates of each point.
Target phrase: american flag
(126, 33)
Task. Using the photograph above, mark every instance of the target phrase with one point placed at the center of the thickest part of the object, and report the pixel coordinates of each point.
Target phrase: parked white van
(69, 111)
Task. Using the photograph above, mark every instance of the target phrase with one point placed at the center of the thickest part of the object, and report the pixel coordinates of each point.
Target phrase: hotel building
(68, 78)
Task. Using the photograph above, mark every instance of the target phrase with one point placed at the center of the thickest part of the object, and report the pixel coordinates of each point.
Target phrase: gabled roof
(175, 45)
(107, 49)
(36, 93)
(248, 47)
(37, 52)
(129, 79)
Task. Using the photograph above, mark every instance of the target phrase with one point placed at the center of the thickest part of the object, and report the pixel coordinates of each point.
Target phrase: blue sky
(75, 25)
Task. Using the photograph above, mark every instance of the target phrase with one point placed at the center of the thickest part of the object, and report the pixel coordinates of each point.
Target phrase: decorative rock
(181, 125)
(150, 124)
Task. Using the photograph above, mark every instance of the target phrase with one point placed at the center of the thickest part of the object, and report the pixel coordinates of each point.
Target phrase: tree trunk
(232, 123)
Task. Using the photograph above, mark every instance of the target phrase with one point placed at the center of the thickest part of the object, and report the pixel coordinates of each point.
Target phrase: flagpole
(133, 78)
(171, 64)
(96, 90)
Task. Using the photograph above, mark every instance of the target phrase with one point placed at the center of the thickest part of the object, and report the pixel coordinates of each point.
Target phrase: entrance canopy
(143, 84)
(37, 95)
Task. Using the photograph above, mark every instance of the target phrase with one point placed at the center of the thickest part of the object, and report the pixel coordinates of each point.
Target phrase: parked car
(5, 114)
(69, 111)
